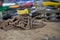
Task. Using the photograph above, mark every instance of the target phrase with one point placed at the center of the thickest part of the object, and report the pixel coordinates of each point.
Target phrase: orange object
(14, 6)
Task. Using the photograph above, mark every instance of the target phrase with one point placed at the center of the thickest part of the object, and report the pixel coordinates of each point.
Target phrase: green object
(4, 8)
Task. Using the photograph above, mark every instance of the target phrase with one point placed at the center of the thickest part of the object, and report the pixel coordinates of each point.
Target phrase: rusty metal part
(37, 23)
(6, 26)
(22, 21)
(17, 21)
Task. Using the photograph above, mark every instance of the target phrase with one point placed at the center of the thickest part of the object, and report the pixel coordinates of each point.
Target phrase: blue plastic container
(16, 1)
(21, 1)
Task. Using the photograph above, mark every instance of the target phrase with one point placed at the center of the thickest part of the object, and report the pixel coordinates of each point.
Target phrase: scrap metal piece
(6, 26)
(23, 21)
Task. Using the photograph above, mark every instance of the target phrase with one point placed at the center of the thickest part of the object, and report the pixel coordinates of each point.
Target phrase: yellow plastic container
(50, 4)
(25, 11)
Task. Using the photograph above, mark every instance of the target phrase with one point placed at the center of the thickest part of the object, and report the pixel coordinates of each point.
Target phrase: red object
(27, 4)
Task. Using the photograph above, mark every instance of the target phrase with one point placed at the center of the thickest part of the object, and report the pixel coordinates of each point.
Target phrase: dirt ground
(50, 32)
